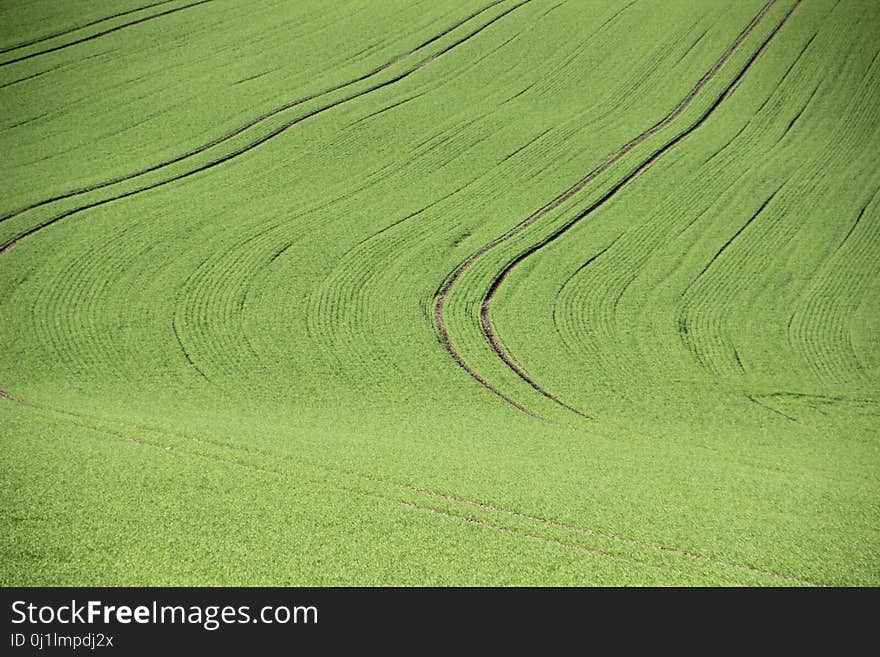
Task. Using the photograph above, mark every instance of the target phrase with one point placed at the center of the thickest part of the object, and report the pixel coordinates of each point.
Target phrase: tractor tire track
(111, 30)
(255, 144)
(124, 434)
(485, 307)
(446, 288)
(488, 330)
(253, 123)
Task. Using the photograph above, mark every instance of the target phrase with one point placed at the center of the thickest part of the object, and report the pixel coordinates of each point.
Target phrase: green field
(449, 292)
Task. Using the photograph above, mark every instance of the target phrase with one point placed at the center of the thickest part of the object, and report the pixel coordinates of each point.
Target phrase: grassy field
(448, 293)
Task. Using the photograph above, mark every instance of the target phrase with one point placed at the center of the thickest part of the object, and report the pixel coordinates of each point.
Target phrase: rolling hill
(440, 293)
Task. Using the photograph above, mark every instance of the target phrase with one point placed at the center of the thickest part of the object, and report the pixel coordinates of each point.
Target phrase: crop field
(447, 292)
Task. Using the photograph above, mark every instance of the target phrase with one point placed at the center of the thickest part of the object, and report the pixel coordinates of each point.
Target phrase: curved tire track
(485, 307)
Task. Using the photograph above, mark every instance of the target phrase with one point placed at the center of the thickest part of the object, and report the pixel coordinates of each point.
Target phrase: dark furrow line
(628, 147)
(255, 76)
(617, 298)
(451, 28)
(568, 280)
(57, 67)
(508, 40)
(385, 109)
(871, 65)
(397, 222)
(728, 143)
(820, 398)
(446, 287)
(587, 264)
(28, 77)
(79, 420)
(15, 399)
(692, 46)
(788, 71)
(445, 135)
(773, 410)
(26, 121)
(260, 119)
(553, 8)
(684, 314)
(520, 93)
(186, 353)
(567, 545)
(524, 146)
(857, 221)
(800, 112)
(83, 26)
(732, 238)
(599, 29)
(262, 140)
(104, 33)
(811, 427)
(738, 361)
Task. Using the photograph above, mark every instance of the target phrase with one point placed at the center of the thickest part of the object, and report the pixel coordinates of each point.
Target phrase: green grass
(228, 229)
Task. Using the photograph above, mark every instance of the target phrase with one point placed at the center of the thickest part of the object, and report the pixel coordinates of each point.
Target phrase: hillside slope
(513, 292)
